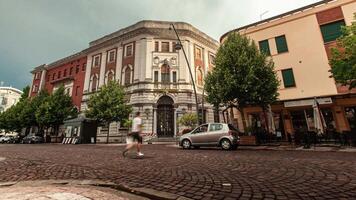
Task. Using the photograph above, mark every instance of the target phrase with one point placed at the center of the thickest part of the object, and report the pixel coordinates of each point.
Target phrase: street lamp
(179, 46)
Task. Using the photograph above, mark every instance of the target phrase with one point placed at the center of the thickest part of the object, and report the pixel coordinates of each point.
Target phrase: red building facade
(69, 72)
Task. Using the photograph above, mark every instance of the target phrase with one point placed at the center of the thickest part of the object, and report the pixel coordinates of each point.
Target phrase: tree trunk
(107, 135)
(232, 116)
(243, 118)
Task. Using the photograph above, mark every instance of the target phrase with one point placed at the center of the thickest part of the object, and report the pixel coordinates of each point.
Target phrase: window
(211, 59)
(77, 69)
(332, 30)
(112, 56)
(201, 129)
(198, 53)
(215, 127)
(68, 91)
(65, 73)
(53, 76)
(48, 77)
(37, 75)
(156, 77)
(94, 83)
(165, 46)
(127, 76)
(165, 73)
(281, 44)
(288, 78)
(156, 46)
(264, 47)
(96, 62)
(59, 75)
(200, 76)
(83, 67)
(128, 50)
(71, 71)
(174, 77)
(110, 76)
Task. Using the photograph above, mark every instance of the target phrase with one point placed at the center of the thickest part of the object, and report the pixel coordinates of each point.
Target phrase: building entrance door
(165, 117)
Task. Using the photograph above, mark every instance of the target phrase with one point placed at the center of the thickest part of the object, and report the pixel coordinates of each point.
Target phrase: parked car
(29, 139)
(5, 139)
(221, 135)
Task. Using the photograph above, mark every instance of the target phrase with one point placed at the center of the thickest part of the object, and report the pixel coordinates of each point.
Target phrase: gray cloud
(33, 32)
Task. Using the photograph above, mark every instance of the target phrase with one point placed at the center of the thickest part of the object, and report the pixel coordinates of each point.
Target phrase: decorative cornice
(66, 59)
(156, 29)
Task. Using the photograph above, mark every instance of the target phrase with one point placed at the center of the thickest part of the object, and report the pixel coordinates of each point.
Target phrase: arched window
(200, 76)
(110, 76)
(127, 76)
(165, 78)
(94, 83)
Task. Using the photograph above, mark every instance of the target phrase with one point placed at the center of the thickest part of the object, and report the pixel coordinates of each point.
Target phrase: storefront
(293, 118)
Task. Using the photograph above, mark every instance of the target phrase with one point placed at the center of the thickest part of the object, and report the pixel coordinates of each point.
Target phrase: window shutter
(332, 31)
(264, 47)
(288, 78)
(281, 44)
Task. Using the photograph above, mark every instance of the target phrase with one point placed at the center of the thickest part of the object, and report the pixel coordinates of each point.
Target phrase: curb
(143, 192)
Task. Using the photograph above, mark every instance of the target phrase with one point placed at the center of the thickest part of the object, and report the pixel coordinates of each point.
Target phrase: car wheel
(186, 144)
(29, 142)
(225, 144)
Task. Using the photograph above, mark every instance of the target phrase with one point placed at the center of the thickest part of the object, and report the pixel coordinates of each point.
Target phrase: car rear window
(216, 127)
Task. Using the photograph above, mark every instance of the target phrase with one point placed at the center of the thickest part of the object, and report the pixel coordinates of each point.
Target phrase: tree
(11, 119)
(54, 109)
(242, 76)
(108, 105)
(343, 61)
(189, 120)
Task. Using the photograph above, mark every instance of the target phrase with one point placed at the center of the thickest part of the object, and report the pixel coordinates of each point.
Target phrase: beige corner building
(299, 43)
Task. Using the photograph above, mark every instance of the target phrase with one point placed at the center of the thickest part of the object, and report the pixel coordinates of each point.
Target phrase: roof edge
(276, 17)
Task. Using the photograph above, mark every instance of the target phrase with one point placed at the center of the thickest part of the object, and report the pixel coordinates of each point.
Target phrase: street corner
(63, 190)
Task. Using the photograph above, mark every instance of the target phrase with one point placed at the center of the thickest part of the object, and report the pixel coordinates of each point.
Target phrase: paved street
(196, 174)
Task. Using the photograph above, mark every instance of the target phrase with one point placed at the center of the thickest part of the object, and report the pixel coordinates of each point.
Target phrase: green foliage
(55, 109)
(242, 76)
(25, 93)
(127, 123)
(190, 120)
(343, 61)
(108, 104)
(43, 110)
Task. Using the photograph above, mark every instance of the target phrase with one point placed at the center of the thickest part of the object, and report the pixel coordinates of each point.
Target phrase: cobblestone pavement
(196, 174)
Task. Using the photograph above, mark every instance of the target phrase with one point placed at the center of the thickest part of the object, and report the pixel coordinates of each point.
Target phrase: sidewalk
(62, 190)
(291, 148)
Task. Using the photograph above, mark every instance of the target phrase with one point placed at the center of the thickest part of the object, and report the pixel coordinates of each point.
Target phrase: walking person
(135, 136)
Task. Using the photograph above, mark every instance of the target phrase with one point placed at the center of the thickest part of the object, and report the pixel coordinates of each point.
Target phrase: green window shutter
(281, 44)
(332, 30)
(288, 78)
(264, 47)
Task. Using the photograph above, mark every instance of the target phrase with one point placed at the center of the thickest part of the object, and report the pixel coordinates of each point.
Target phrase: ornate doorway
(165, 117)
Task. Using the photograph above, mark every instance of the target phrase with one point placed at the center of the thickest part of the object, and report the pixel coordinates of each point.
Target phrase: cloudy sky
(34, 32)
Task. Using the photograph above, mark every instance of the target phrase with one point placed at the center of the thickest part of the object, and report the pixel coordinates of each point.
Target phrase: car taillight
(230, 132)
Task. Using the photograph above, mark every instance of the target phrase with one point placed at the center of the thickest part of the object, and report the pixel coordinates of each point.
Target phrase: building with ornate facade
(9, 96)
(143, 59)
(300, 42)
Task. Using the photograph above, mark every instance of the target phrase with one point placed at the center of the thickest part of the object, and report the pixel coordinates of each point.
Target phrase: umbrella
(319, 122)
(271, 125)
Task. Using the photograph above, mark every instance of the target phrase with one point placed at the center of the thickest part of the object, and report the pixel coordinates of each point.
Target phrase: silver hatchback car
(212, 134)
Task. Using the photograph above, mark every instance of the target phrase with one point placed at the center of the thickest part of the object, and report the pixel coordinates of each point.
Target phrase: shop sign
(307, 102)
